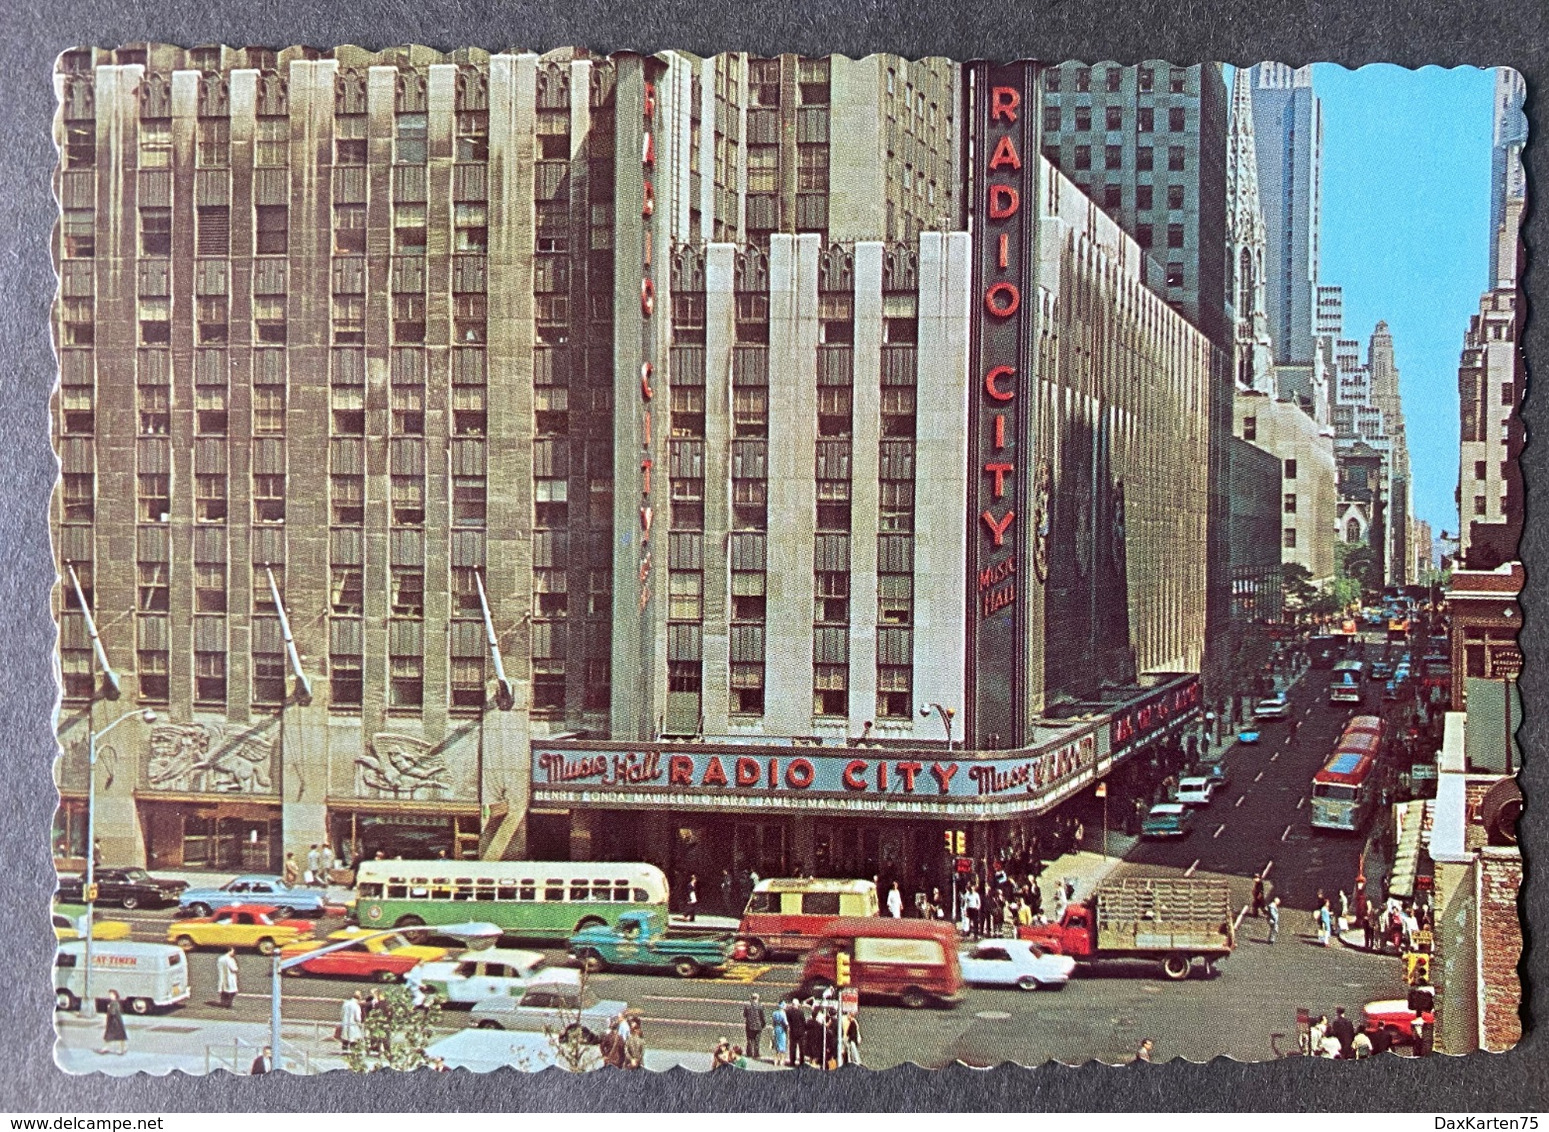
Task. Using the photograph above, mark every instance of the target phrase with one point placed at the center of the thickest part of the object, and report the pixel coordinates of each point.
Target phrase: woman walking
(113, 1033)
(350, 1028)
(781, 1034)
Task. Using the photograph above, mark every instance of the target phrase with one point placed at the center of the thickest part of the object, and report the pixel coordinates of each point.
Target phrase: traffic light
(1417, 969)
(91, 894)
(948, 835)
(842, 969)
(962, 842)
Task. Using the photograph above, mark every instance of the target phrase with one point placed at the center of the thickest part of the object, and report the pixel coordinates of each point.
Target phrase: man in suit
(1343, 1029)
(796, 1027)
(753, 1023)
(263, 1062)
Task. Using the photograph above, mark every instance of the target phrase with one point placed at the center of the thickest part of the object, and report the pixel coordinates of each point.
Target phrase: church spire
(1245, 241)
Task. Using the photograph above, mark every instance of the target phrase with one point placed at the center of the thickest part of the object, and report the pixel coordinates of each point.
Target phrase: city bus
(525, 899)
(1344, 686)
(1346, 790)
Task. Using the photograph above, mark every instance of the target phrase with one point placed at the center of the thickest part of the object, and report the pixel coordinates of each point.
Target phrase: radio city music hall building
(635, 445)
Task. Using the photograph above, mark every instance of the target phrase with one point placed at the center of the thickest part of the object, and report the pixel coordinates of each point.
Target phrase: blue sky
(1406, 214)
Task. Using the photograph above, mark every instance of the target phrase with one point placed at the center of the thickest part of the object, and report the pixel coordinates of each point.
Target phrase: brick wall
(1499, 876)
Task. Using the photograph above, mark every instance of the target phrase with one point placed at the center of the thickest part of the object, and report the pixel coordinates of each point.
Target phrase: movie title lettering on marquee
(1172, 703)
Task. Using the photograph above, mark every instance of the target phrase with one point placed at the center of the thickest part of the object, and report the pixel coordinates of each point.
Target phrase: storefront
(198, 832)
(721, 812)
(412, 830)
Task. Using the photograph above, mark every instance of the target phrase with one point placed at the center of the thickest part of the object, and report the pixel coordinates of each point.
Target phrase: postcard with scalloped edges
(782, 563)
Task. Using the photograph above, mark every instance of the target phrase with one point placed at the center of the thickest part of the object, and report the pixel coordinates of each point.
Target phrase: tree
(397, 1033)
(575, 1047)
(1358, 562)
(1296, 585)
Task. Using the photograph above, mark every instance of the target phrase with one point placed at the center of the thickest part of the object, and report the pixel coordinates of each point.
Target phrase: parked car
(127, 888)
(1380, 670)
(1392, 690)
(387, 959)
(1166, 819)
(557, 1006)
(258, 926)
(288, 900)
(1195, 791)
(67, 927)
(478, 975)
(1014, 963)
(1249, 736)
(1215, 769)
(1277, 706)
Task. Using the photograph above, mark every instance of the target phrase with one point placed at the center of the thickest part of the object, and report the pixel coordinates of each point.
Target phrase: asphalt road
(1258, 822)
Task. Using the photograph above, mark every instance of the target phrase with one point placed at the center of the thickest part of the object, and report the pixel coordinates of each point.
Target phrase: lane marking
(1265, 871)
(1239, 801)
(691, 998)
(1302, 802)
(1218, 831)
(1258, 776)
(1188, 872)
(1274, 756)
(1286, 834)
(1237, 923)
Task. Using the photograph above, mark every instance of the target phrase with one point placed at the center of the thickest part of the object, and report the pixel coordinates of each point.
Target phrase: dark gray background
(1408, 32)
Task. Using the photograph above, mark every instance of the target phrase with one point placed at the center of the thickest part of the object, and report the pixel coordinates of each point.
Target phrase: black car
(128, 888)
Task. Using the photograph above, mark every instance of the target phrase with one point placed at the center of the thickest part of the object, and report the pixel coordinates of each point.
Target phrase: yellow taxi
(240, 925)
(66, 928)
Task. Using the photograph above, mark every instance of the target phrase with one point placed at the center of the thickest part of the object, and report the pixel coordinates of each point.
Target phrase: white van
(145, 975)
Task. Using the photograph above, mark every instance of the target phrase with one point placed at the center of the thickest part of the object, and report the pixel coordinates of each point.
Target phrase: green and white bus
(525, 899)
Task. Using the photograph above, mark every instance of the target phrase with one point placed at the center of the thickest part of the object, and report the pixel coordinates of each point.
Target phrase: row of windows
(1113, 79)
(1113, 118)
(1113, 157)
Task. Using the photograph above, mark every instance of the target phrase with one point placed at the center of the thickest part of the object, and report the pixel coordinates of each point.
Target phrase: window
(344, 681)
(1113, 117)
(829, 689)
(212, 319)
(1250, 428)
(408, 591)
(1508, 394)
(1175, 119)
(155, 322)
(1290, 503)
(213, 231)
(271, 229)
(470, 225)
(268, 410)
(1115, 79)
(409, 139)
(1175, 158)
(469, 318)
(1479, 505)
(895, 599)
(155, 231)
(152, 671)
(209, 677)
(77, 322)
(409, 229)
(1175, 275)
(1144, 159)
(1174, 197)
(155, 497)
(78, 227)
(467, 682)
(468, 500)
(896, 506)
(1083, 157)
(1145, 119)
(209, 587)
(349, 139)
(1143, 235)
(1290, 469)
(268, 499)
(1051, 119)
(408, 402)
(349, 229)
(1175, 235)
(347, 497)
(349, 319)
(155, 410)
(1083, 118)
(1143, 198)
(272, 144)
(152, 588)
(269, 319)
(832, 599)
(80, 144)
(269, 677)
(406, 687)
(1083, 79)
(685, 595)
(1176, 80)
(473, 136)
(210, 498)
(155, 143)
(409, 501)
(1051, 80)
(1113, 195)
(1480, 469)
(1288, 538)
(78, 497)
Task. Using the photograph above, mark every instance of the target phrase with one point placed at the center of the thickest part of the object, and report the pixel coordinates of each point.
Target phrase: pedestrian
(895, 902)
(693, 897)
(1344, 1030)
(1274, 919)
(852, 1040)
(796, 1023)
(376, 1006)
(1325, 924)
(753, 1022)
(314, 862)
(1361, 1046)
(325, 860)
(291, 871)
(113, 1032)
(1143, 1051)
(814, 1046)
(972, 906)
(1344, 910)
(1258, 894)
(1370, 931)
(96, 853)
(263, 1063)
(1024, 912)
(226, 977)
(1315, 1036)
(726, 904)
(781, 1031)
(634, 1046)
(610, 1047)
(352, 1022)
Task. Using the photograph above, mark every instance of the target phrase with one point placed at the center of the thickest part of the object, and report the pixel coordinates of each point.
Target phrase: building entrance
(226, 836)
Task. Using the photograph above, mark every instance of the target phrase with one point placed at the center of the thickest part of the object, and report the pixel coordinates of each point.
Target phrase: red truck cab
(1074, 935)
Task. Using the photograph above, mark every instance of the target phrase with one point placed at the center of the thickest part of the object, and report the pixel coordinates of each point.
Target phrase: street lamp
(89, 891)
(946, 714)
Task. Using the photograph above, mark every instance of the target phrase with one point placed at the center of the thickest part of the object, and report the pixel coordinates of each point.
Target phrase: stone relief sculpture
(203, 758)
(401, 766)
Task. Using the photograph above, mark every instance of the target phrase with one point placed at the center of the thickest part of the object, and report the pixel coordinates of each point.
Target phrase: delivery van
(913, 961)
(786, 915)
(145, 975)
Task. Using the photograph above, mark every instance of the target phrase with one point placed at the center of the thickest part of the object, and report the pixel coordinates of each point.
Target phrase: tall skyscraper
(1288, 123)
(1253, 357)
(1508, 181)
(1387, 400)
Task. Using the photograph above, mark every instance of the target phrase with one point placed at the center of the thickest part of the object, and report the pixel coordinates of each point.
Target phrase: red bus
(1346, 790)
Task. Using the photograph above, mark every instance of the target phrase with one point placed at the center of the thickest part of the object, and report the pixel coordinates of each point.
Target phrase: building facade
(1288, 123)
(1307, 494)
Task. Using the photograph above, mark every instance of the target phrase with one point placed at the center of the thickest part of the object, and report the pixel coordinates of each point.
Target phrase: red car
(1397, 1018)
(383, 958)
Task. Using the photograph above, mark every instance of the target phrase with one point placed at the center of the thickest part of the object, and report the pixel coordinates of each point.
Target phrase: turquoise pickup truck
(644, 940)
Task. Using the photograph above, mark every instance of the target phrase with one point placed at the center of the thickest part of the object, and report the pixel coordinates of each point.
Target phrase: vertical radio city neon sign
(647, 311)
(1005, 149)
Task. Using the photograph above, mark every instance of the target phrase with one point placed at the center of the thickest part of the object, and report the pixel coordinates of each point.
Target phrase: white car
(1195, 791)
(478, 975)
(1016, 963)
(1274, 707)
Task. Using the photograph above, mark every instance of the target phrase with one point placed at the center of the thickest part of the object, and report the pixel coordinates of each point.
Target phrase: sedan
(1401, 1023)
(479, 975)
(128, 888)
(242, 925)
(1016, 963)
(288, 899)
(1166, 819)
(66, 928)
(553, 1007)
(1195, 791)
(1272, 707)
(387, 959)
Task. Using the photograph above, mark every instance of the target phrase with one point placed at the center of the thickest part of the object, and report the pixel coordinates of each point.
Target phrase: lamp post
(89, 891)
(946, 715)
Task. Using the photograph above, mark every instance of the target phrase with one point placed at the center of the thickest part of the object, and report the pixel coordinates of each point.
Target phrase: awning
(1406, 858)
